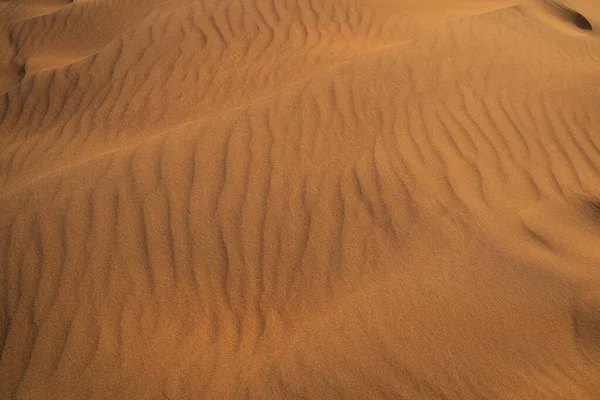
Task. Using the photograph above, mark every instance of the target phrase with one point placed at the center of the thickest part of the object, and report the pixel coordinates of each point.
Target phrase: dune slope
(299, 199)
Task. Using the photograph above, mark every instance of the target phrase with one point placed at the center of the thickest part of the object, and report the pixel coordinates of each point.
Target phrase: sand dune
(300, 199)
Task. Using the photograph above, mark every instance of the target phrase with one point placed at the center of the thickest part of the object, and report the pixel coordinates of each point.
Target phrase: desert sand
(299, 199)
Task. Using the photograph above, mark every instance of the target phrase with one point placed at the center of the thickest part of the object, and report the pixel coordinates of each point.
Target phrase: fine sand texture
(300, 199)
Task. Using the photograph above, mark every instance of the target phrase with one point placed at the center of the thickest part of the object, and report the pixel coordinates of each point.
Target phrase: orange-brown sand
(300, 199)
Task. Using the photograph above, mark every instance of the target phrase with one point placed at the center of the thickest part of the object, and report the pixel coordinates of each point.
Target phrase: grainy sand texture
(300, 199)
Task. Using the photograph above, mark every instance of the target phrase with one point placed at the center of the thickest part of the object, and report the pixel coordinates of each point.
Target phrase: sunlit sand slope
(300, 199)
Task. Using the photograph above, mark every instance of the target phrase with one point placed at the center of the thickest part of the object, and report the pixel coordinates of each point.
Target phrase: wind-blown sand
(299, 199)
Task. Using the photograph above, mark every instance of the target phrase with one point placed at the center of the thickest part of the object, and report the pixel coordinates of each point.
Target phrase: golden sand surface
(300, 199)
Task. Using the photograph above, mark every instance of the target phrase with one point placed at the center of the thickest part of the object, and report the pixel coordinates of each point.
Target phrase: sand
(285, 199)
